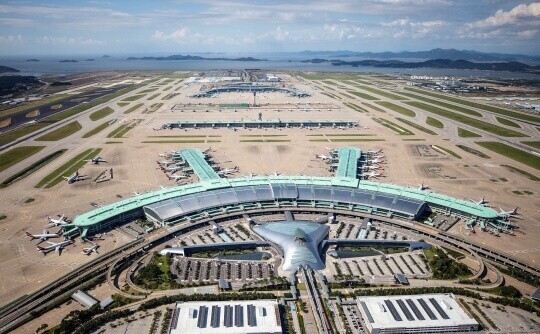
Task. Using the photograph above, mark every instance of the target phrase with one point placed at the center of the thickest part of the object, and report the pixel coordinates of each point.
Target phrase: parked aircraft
(176, 177)
(323, 157)
(508, 214)
(372, 167)
(56, 222)
(166, 162)
(171, 169)
(45, 236)
(422, 186)
(371, 175)
(375, 161)
(482, 201)
(74, 177)
(90, 250)
(96, 160)
(228, 171)
(374, 151)
(57, 247)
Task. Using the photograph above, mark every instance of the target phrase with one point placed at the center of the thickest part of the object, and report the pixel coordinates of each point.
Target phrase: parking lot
(353, 318)
(210, 271)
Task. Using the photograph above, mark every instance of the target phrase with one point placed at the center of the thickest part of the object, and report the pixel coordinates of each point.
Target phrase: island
(90, 59)
(5, 69)
(32, 60)
(189, 57)
(69, 61)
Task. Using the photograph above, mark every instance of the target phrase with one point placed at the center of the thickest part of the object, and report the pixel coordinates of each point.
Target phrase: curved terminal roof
(299, 241)
(110, 211)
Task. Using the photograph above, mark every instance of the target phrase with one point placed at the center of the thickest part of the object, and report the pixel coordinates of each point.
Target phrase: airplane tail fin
(30, 235)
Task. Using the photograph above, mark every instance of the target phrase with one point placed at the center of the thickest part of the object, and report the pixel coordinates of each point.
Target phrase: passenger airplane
(374, 151)
(165, 162)
(57, 247)
(422, 186)
(56, 222)
(323, 157)
(372, 175)
(171, 169)
(375, 161)
(508, 214)
(74, 177)
(228, 171)
(43, 237)
(96, 160)
(90, 250)
(482, 201)
(371, 167)
(177, 177)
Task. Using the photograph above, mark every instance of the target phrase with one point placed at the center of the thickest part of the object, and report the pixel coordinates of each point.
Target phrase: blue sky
(242, 26)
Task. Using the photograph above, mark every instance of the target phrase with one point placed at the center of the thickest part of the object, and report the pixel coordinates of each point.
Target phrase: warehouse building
(228, 317)
(430, 313)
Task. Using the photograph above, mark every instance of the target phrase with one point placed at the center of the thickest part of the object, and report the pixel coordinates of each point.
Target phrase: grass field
(61, 132)
(513, 153)
(466, 133)
(473, 151)
(264, 140)
(394, 127)
(8, 137)
(346, 140)
(68, 168)
(381, 92)
(175, 141)
(363, 95)
(122, 104)
(120, 131)
(334, 76)
(355, 107)
(134, 97)
(497, 130)
(374, 107)
(416, 126)
(153, 108)
(434, 122)
(133, 108)
(96, 130)
(444, 104)
(104, 112)
(396, 108)
(149, 90)
(16, 155)
(535, 144)
(493, 109)
(31, 105)
(153, 96)
(447, 151)
(521, 172)
(505, 121)
(31, 169)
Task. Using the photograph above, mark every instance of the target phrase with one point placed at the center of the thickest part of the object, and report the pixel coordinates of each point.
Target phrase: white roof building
(433, 313)
(227, 317)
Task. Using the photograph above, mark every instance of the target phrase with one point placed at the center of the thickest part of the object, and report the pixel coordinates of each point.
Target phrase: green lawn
(467, 120)
(61, 132)
(29, 106)
(363, 95)
(396, 108)
(134, 97)
(416, 126)
(444, 104)
(153, 96)
(104, 112)
(466, 133)
(512, 153)
(447, 151)
(96, 130)
(16, 155)
(21, 132)
(355, 107)
(473, 151)
(434, 122)
(133, 108)
(122, 104)
(22, 173)
(535, 144)
(493, 109)
(381, 92)
(68, 168)
(121, 130)
(394, 127)
(507, 122)
(521, 172)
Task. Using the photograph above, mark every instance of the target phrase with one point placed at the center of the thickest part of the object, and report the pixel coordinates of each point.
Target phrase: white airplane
(170, 169)
(74, 177)
(482, 201)
(422, 186)
(176, 177)
(57, 247)
(371, 175)
(136, 193)
(43, 237)
(323, 157)
(374, 151)
(508, 214)
(96, 160)
(90, 250)
(165, 162)
(228, 171)
(56, 222)
(376, 161)
(371, 167)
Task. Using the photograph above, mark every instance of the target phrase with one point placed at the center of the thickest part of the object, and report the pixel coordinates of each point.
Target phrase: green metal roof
(196, 160)
(348, 161)
(97, 215)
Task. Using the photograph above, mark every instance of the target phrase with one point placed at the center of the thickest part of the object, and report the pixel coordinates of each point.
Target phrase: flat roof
(413, 311)
(348, 161)
(195, 159)
(227, 317)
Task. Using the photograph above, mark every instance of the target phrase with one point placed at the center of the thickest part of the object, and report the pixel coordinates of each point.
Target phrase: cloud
(513, 16)
(68, 41)
(178, 36)
(10, 39)
(526, 34)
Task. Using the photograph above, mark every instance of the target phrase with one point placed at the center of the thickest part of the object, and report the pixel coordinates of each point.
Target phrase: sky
(55, 27)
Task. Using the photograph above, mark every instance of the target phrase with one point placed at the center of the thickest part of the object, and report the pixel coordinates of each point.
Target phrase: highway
(317, 303)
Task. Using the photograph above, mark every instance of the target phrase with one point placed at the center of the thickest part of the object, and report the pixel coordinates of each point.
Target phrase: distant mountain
(5, 69)
(451, 54)
(32, 60)
(69, 61)
(513, 66)
(105, 56)
(189, 57)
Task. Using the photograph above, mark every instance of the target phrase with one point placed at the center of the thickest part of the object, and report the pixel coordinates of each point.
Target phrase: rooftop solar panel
(216, 316)
(426, 308)
(239, 315)
(439, 308)
(405, 310)
(415, 309)
(228, 316)
(366, 310)
(203, 314)
(252, 318)
(393, 310)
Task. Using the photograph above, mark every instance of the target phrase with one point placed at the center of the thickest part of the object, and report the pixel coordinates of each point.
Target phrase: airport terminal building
(433, 313)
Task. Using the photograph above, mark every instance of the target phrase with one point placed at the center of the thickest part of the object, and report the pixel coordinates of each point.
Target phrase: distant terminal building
(430, 313)
(250, 87)
(229, 317)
